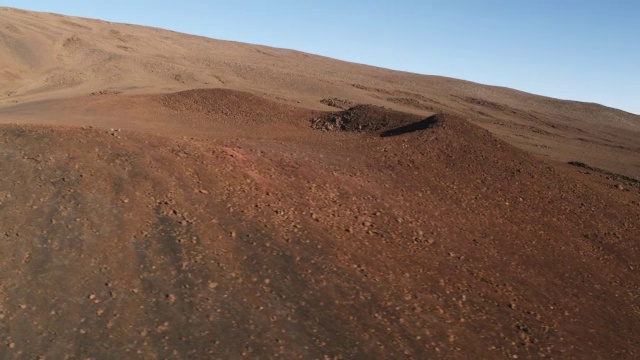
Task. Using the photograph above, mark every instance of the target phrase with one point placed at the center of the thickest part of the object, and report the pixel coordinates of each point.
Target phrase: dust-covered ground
(300, 207)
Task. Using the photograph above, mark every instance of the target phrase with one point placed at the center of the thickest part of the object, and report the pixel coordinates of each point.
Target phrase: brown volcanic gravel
(442, 242)
(170, 196)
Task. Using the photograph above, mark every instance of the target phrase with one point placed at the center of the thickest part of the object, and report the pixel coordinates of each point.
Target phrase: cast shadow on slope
(416, 126)
(629, 180)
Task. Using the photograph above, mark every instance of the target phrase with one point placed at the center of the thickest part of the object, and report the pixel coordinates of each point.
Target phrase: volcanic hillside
(170, 196)
(49, 56)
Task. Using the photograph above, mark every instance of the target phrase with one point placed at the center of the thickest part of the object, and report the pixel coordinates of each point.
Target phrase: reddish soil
(225, 223)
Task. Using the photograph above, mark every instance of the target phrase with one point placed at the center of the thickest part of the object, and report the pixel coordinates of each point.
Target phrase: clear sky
(583, 50)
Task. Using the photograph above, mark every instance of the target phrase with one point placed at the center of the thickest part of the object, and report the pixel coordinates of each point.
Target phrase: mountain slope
(169, 196)
(48, 56)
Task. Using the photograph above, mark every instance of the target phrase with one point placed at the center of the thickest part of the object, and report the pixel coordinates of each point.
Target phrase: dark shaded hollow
(582, 165)
(416, 126)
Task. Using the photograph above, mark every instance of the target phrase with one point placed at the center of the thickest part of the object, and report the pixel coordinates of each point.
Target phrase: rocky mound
(364, 118)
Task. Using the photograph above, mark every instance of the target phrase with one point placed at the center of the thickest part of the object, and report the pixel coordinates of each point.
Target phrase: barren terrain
(164, 195)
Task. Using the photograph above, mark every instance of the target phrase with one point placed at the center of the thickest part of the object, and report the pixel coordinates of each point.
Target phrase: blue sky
(580, 50)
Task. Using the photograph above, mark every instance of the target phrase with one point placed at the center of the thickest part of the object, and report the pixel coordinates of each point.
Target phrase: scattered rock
(365, 118)
(171, 298)
(106, 92)
(338, 103)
